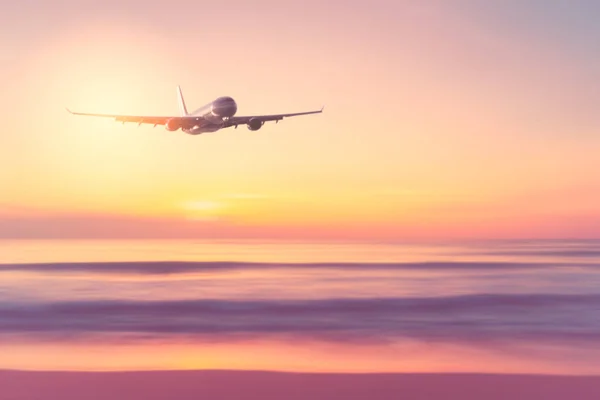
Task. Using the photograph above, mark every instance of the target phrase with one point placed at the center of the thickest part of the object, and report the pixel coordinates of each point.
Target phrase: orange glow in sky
(437, 124)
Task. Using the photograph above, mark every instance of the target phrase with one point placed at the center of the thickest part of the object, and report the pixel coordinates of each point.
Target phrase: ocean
(521, 306)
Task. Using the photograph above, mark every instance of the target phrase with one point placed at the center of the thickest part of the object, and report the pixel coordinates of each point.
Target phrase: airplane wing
(264, 118)
(129, 118)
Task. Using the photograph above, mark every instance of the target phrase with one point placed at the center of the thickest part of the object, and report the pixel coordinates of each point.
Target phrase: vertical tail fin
(182, 108)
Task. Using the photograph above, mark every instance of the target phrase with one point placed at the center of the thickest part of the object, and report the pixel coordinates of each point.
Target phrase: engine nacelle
(173, 124)
(254, 124)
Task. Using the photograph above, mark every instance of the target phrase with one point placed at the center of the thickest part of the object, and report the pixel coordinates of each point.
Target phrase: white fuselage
(211, 117)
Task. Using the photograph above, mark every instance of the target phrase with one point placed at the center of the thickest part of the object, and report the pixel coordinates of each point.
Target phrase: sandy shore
(229, 385)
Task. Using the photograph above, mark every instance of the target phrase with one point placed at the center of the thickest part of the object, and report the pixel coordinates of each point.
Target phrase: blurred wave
(171, 267)
(516, 299)
(462, 319)
(571, 253)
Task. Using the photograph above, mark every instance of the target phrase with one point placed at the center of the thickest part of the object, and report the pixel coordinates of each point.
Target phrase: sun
(203, 210)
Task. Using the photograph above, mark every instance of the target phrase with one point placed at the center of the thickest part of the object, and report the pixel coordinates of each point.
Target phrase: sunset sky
(443, 119)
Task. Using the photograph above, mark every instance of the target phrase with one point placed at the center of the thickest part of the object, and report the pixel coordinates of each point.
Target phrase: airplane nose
(231, 109)
(225, 108)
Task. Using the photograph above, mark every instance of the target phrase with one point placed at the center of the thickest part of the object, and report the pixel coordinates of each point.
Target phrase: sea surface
(488, 306)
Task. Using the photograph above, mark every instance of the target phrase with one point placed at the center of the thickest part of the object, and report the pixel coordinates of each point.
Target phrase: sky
(443, 119)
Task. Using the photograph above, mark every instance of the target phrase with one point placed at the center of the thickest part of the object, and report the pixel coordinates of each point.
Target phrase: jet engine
(173, 124)
(254, 124)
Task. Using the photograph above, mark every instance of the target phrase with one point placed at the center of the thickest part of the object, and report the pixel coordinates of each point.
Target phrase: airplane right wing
(264, 118)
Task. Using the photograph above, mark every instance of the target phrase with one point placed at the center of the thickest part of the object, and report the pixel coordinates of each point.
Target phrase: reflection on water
(26, 251)
(360, 307)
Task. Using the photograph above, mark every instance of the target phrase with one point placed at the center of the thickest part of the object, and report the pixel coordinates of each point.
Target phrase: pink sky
(445, 119)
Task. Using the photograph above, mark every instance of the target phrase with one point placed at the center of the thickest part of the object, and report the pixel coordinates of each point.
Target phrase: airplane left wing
(265, 118)
(129, 118)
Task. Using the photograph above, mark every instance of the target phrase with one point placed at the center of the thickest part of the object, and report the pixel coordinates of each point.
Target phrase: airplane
(214, 116)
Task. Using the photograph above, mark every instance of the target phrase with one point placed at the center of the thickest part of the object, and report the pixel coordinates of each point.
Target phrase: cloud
(588, 249)
(98, 226)
(247, 196)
